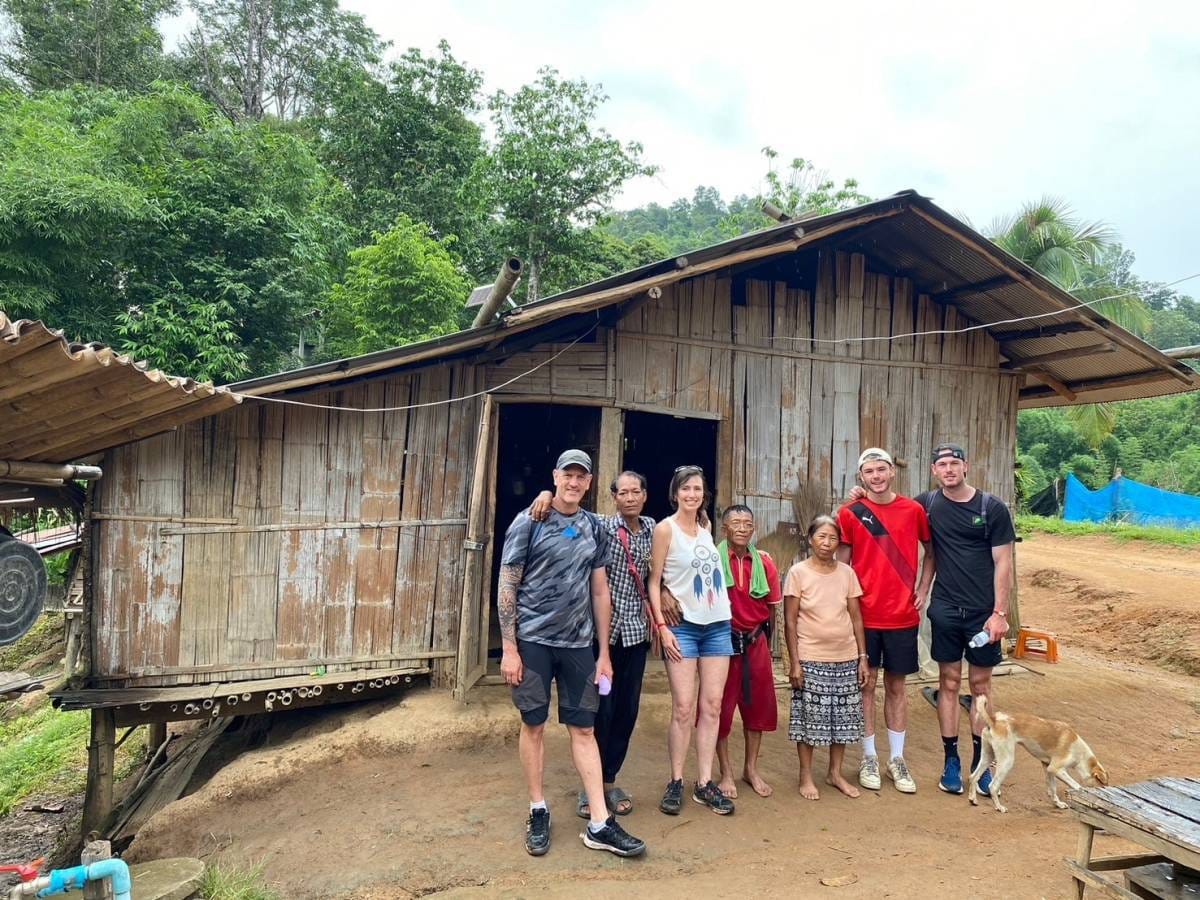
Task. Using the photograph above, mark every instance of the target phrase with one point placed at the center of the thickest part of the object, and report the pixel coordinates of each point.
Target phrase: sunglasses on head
(689, 468)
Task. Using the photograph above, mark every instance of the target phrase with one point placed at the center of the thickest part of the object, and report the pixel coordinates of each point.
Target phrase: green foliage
(230, 883)
(155, 224)
(255, 59)
(407, 144)
(1120, 531)
(551, 170)
(45, 633)
(403, 287)
(803, 190)
(40, 752)
(111, 43)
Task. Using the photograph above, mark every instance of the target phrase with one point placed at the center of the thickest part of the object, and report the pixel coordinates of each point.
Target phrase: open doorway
(656, 444)
(531, 437)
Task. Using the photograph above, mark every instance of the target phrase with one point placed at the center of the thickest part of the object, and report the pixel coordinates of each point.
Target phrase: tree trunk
(535, 271)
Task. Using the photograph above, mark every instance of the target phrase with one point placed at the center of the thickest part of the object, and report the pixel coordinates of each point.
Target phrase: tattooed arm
(506, 603)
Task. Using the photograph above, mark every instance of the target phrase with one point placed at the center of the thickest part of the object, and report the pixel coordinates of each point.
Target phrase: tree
(155, 224)
(112, 43)
(551, 170)
(254, 57)
(403, 287)
(408, 145)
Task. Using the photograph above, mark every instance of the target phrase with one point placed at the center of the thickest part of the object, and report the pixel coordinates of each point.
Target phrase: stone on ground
(167, 879)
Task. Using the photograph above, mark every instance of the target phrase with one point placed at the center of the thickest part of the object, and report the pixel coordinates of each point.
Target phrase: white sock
(869, 745)
(541, 804)
(895, 743)
(596, 827)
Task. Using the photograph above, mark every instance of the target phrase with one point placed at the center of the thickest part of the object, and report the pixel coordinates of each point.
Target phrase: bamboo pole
(506, 280)
(48, 472)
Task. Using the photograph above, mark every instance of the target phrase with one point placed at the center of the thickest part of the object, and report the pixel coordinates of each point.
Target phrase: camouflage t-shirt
(554, 601)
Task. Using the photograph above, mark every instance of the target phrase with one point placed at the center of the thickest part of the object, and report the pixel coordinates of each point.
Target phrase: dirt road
(426, 797)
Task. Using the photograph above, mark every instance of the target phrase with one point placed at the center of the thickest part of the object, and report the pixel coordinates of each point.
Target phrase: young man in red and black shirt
(753, 583)
(880, 534)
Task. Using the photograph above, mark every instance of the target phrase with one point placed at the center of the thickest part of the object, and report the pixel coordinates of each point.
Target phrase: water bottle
(980, 639)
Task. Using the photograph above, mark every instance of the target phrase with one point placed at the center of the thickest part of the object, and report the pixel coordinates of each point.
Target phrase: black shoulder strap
(985, 498)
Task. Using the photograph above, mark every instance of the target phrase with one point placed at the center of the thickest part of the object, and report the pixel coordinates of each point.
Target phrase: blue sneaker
(985, 783)
(951, 781)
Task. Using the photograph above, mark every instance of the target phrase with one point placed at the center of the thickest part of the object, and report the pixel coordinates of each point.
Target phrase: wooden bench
(1163, 815)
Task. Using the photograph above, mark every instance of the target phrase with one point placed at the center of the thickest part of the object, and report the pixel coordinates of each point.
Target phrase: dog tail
(981, 707)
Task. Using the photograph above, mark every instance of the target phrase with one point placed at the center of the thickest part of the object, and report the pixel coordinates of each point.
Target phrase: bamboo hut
(266, 554)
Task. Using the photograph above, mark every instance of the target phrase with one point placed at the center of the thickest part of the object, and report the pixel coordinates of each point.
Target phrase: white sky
(979, 106)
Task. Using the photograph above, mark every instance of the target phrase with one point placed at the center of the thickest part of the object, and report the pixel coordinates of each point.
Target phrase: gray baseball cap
(574, 458)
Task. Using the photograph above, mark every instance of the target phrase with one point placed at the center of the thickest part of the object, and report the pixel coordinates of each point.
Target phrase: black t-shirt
(962, 546)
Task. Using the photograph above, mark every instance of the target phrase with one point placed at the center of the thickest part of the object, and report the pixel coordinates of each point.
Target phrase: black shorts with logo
(573, 669)
(893, 649)
(951, 629)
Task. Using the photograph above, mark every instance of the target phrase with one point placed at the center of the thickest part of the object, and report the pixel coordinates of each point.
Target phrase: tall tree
(258, 57)
(57, 43)
(155, 224)
(552, 170)
(407, 144)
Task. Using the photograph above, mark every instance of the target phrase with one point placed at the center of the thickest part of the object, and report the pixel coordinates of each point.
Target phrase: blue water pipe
(63, 880)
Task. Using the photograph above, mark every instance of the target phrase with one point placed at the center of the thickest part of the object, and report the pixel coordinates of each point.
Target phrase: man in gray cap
(553, 600)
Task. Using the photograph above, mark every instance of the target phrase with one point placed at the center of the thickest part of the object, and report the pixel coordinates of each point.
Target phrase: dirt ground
(426, 796)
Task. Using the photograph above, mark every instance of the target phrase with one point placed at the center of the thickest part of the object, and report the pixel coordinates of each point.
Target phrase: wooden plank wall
(216, 598)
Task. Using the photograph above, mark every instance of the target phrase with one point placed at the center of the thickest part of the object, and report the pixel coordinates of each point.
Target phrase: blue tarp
(1122, 500)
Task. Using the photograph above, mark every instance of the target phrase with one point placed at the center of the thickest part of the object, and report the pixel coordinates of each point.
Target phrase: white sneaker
(897, 770)
(868, 773)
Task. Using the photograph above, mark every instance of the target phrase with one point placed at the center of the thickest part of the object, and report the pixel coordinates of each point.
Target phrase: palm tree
(1049, 238)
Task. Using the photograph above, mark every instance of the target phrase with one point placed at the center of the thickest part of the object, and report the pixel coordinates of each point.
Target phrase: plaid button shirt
(629, 625)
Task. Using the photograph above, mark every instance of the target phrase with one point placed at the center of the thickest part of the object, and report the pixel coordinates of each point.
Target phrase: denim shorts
(713, 639)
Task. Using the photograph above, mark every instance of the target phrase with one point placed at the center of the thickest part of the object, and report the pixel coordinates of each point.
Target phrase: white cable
(448, 400)
(916, 334)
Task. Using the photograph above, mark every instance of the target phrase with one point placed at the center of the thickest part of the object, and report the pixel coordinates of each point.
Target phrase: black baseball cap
(953, 451)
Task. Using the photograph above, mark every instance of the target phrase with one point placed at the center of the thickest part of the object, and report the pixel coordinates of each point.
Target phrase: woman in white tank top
(693, 623)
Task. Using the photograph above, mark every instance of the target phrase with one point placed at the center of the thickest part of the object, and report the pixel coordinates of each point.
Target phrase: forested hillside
(283, 187)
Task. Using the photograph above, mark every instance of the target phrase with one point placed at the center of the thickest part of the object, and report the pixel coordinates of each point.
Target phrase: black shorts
(893, 649)
(572, 669)
(951, 629)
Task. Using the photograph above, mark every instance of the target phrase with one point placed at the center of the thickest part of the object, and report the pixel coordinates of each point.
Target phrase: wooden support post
(98, 800)
(94, 852)
(156, 735)
(608, 463)
(1083, 854)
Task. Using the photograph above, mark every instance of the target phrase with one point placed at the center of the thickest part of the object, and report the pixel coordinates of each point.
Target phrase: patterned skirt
(827, 709)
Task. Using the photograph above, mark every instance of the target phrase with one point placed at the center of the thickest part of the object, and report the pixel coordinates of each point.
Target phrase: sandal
(582, 807)
(614, 797)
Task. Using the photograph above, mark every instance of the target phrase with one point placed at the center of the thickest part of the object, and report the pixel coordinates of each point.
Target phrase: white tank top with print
(692, 573)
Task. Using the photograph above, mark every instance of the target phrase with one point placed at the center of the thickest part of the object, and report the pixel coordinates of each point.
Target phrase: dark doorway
(656, 445)
(532, 435)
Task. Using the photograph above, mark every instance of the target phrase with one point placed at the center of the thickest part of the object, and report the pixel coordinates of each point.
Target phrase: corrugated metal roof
(906, 234)
(60, 401)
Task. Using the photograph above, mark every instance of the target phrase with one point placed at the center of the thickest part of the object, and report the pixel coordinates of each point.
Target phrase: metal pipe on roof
(506, 280)
(48, 471)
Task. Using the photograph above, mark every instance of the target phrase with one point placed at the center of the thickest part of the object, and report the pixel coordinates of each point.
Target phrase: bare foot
(835, 779)
(728, 788)
(755, 781)
(808, 790)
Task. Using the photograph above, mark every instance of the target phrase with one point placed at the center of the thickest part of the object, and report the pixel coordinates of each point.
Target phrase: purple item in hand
(604, 685)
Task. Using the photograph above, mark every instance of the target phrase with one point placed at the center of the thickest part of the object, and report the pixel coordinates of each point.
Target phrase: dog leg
(985, 759)
(1005, 757)
(1053, 775)
(1052, 789)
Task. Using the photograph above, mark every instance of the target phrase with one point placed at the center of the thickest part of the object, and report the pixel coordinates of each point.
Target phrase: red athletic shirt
(750, 612)
(887, 602)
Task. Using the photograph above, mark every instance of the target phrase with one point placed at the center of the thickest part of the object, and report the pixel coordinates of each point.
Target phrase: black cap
(574, 458)
(953, 451)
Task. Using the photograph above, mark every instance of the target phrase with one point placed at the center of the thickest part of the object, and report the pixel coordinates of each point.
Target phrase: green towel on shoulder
(758, 572)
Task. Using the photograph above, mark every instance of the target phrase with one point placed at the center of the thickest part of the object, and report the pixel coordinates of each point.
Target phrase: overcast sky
(979, 106)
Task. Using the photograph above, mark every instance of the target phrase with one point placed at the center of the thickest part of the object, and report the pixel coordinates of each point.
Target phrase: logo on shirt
(570, 532)
(867, 517)
(977, 520)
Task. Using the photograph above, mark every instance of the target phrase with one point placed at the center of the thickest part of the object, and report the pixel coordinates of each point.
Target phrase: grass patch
(43, 751)
(45, 633)
(1157, 534)
(230, 883)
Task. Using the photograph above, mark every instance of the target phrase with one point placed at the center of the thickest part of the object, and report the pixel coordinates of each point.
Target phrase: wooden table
(1162, 815)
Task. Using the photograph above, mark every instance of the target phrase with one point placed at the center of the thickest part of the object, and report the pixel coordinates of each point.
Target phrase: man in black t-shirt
(972, 542)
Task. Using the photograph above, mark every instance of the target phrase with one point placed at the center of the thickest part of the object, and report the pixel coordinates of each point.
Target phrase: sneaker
(710, 795)
(951, 781)
(897, 770)
(613, 838)
(985, 783)
(537, 832)
(868, 773)
(672, 800)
